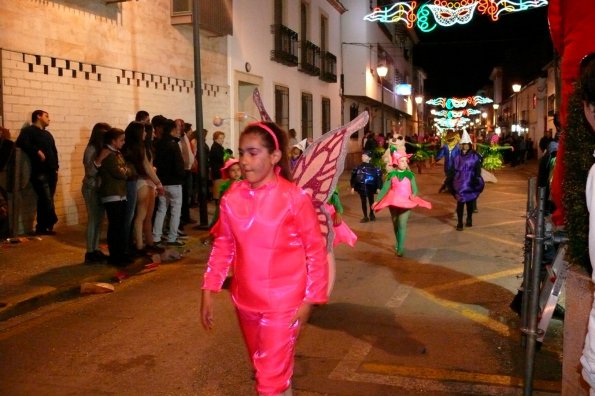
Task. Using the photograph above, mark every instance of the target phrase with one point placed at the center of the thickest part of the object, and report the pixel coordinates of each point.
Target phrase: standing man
(170, 170)
(39, 145)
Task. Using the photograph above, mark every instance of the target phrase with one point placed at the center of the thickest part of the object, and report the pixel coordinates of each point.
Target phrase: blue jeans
(95, 212)
(172, 199)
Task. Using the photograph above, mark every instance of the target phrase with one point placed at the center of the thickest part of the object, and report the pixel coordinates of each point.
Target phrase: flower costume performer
(465, 180)
(399, 194)
(366, 179)
(269, 232)
(449, 151)
(492, 158)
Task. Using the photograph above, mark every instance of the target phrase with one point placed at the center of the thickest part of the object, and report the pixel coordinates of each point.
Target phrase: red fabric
(573, 31)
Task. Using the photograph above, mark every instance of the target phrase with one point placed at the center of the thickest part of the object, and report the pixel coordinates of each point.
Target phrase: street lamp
(419, 100)
(496, 106)
(382, 70)
(516, 88)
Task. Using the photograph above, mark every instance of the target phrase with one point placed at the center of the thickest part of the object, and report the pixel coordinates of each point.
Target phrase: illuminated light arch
(456, 113)
(448, 13)
(458, 103)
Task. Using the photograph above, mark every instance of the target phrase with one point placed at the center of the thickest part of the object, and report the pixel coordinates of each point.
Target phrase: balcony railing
(328, 70)
(286, 45)
(310, 58)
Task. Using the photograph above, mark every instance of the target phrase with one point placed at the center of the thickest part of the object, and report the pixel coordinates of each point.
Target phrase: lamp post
(419, 100)
(382, 70)
(496, 106)
(516, 88)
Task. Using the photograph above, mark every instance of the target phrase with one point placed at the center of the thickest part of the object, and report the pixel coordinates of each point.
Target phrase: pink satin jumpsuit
(272, 238)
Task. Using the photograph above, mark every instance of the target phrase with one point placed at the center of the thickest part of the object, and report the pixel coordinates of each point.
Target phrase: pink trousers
(271, 344)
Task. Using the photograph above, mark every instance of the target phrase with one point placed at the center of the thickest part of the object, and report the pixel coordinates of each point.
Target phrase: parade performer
(366, 179)
(492, 156)
(230, 173)
(296, 152)
(269, 232)
(572, 30)
(399, 194)
(421, 153)
(465, 181)
(396, 142)
(343, 234)
(449, 151)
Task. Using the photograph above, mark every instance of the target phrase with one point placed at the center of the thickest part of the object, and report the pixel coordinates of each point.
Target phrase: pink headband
(269, 130)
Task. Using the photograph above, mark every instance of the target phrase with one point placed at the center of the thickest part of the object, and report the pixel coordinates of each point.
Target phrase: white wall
(127, 57)
(252, 42)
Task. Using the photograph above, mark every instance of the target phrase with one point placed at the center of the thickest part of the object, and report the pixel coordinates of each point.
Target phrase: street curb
(60, 293)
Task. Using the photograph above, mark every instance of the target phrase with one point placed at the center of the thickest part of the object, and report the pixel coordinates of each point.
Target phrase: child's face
(402, 164)
(234, 172)
(118, 142)
(295, 153)
(255, 160)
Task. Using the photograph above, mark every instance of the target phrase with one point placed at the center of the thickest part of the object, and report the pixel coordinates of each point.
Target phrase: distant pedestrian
(90, 190)
(114, 172)
(170, 170)
(216, 162)
(39, 145)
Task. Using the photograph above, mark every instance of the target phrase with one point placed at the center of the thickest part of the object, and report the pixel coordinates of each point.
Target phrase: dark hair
(149, 142)
(36, 114)
(269, 143)
(97, 134)
(111, 135)
(168, 127)
(587, 78)
(141, 115)
(158, 121)
(134, 147)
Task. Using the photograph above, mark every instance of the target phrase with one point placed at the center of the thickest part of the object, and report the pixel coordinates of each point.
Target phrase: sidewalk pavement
(40, 270)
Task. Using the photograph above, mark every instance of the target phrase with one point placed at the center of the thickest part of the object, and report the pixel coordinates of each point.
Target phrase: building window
(307, 119)
(282, 107)
(326, 115)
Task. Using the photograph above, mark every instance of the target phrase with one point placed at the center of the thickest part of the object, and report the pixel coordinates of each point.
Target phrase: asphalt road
(434, 322)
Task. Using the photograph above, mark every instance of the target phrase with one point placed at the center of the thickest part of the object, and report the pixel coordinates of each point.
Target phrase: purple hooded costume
(467, 182)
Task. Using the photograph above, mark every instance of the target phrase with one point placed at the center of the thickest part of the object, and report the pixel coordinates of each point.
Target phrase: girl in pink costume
(399, 194)
(269, 233)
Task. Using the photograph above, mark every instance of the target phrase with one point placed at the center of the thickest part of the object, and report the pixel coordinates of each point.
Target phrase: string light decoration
(452, 122)
(455, 113)
(457, 103)
(447, 13)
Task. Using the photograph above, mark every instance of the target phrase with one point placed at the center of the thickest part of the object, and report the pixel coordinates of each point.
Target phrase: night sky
(458, 59)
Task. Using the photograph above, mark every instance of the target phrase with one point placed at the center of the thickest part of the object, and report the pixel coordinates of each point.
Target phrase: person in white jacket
(587, 87)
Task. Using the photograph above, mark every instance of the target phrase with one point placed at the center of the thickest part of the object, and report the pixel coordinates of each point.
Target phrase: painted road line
(350, 369)
(428, 255)
(474, 279)
(459, 376)
(398, 297)
(493, 238)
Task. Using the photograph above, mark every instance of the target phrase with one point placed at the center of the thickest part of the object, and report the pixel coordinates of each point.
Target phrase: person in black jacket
(366, 179)
(38, 143)
(170, 170)
(216, 162)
